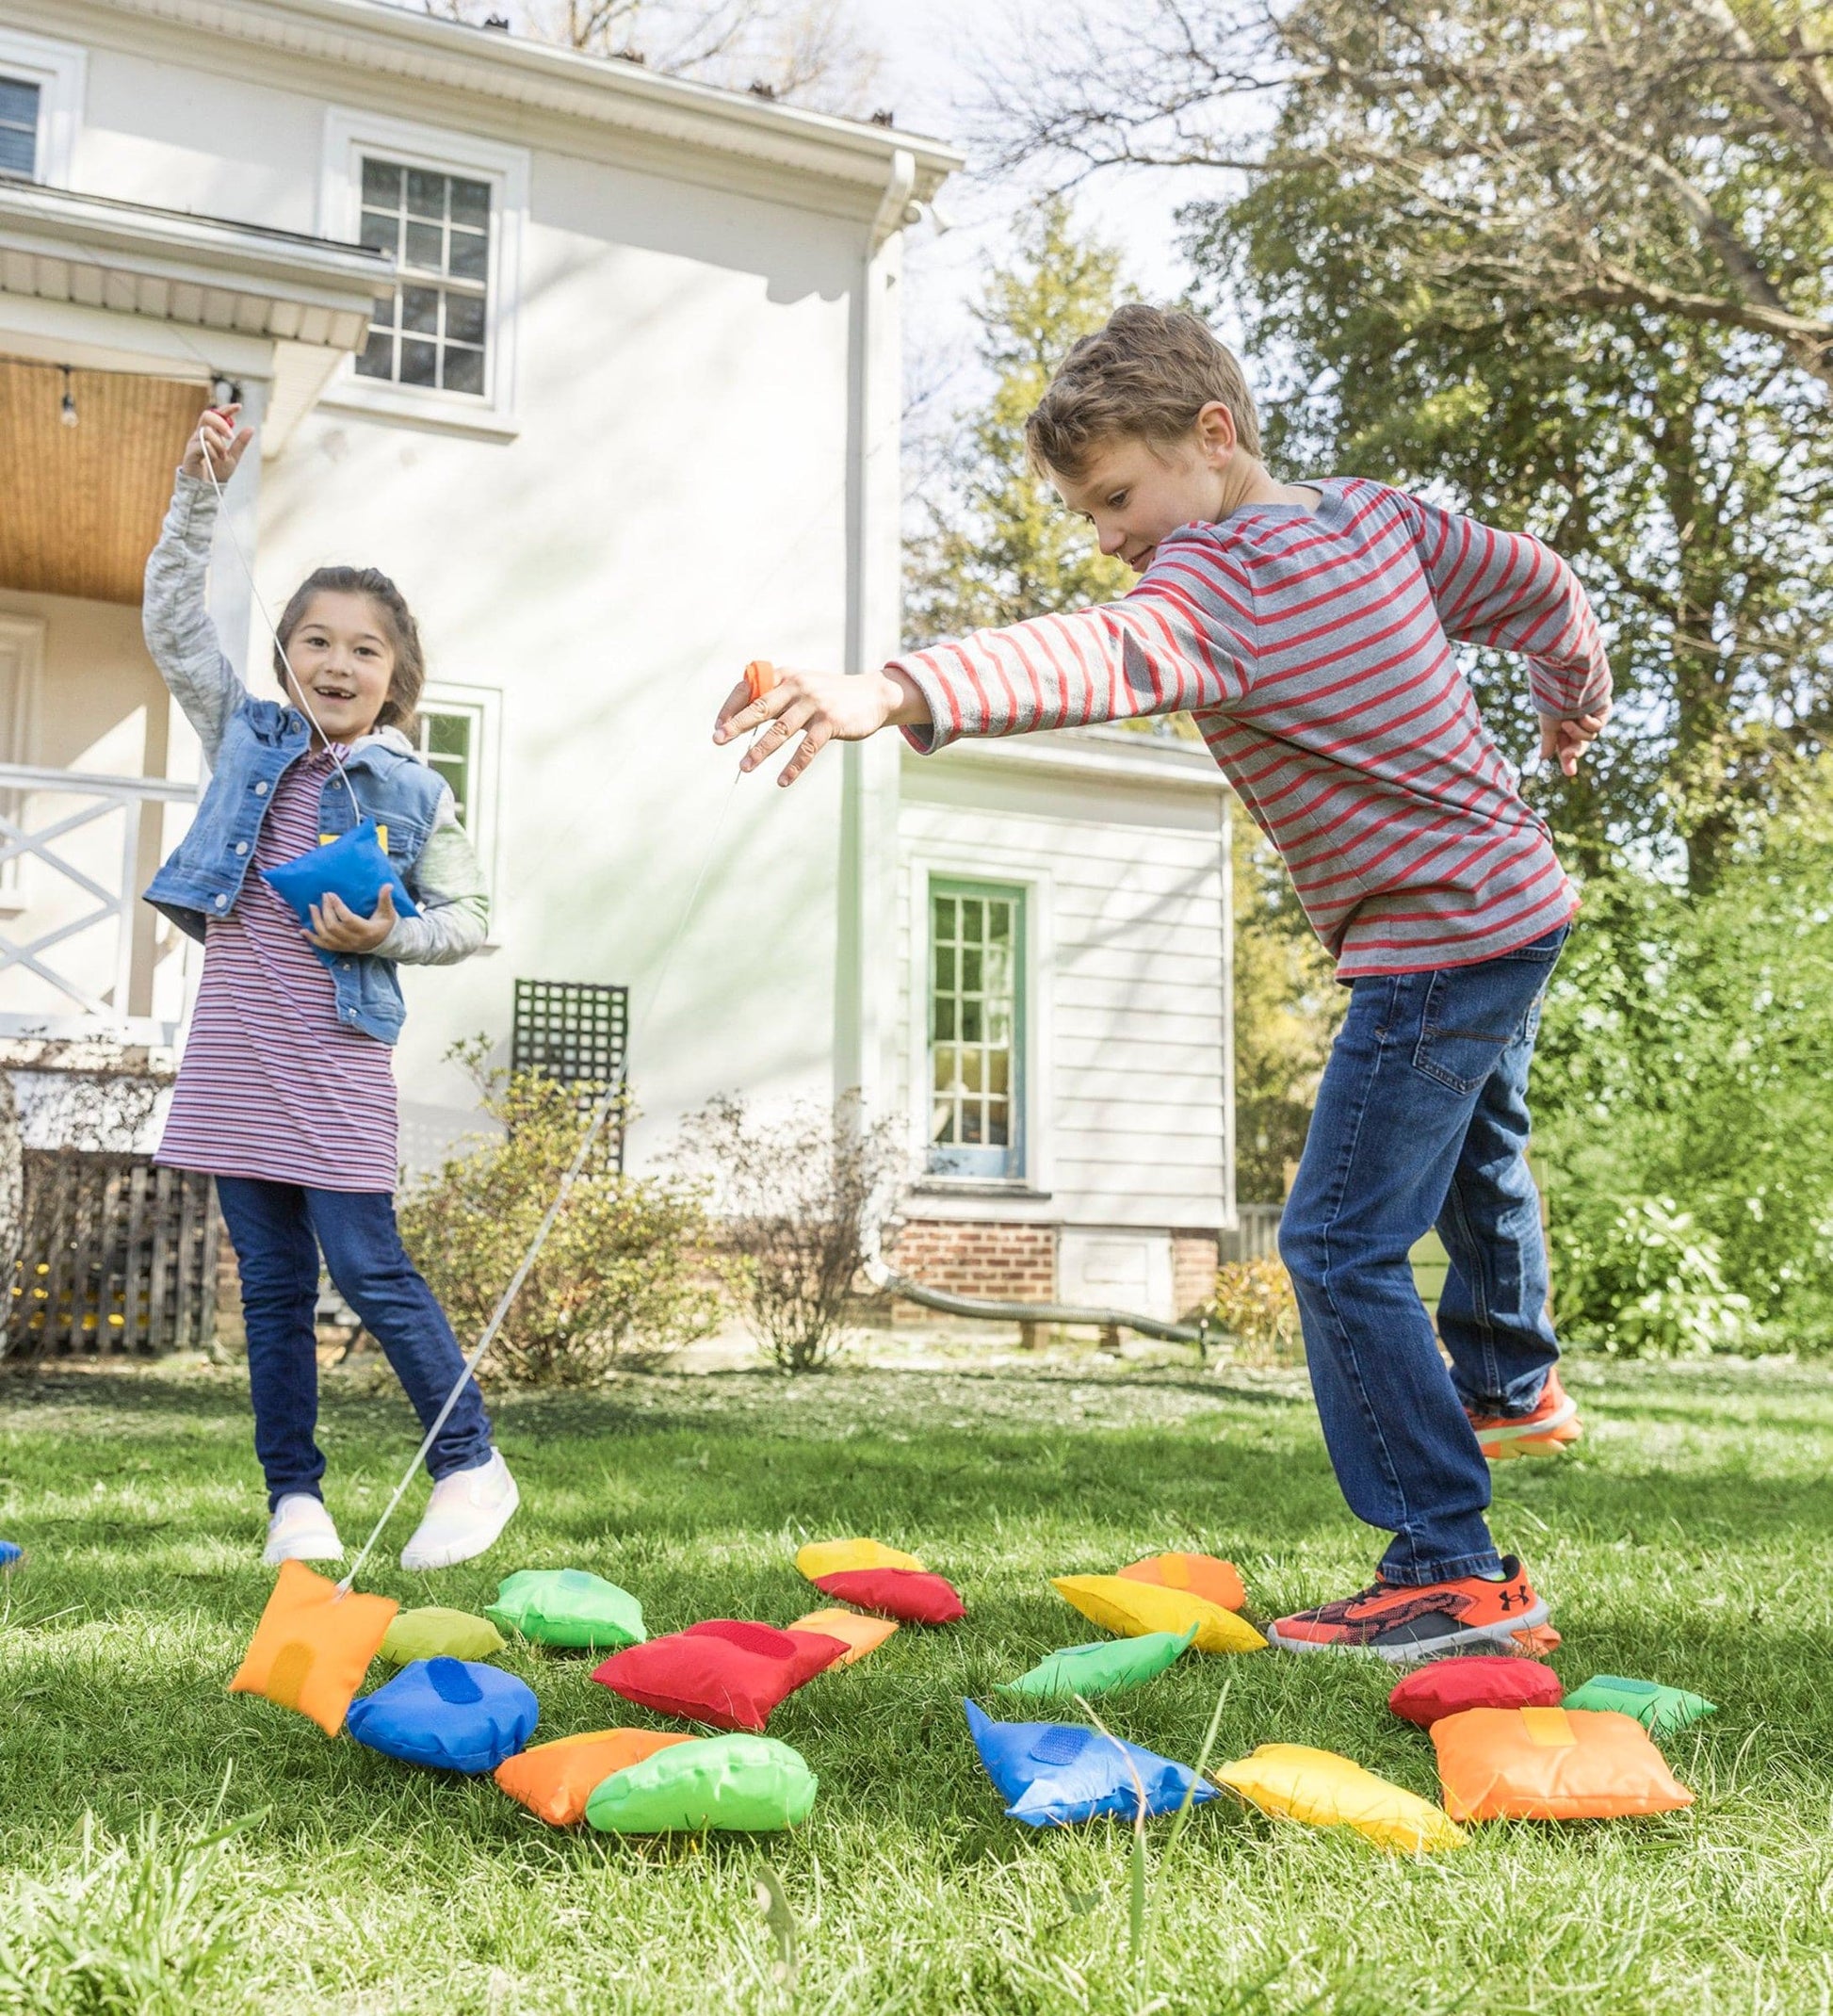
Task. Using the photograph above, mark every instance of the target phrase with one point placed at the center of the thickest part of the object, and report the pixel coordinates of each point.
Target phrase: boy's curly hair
(1147, 374)
(400, 710)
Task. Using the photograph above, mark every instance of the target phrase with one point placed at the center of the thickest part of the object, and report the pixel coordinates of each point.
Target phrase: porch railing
(78, 952)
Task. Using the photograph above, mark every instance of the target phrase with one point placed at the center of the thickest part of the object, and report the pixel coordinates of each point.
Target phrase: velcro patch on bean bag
(451, 1715)
(1108, 1666)
(1133, 1608)
(1552, 1764)
(354, 867)
(313, 1646)
(568, 1606)
(731, 1785)
(1662, 1711)
(1217, 1582)
(555, 1779)
(839, 1557)
(436, 1634)
(910, 1595)
(859, 1634)
(1055, 1774)
(723, 1671)
(1293, 1781)
(1449, 1686)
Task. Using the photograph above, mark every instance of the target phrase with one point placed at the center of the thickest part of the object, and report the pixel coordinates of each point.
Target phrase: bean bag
(10, 1551)
(859, 1634)
(555, 1779)
(1219, 1582)
(313, 1646)
(1106, 1667)
(1448, 1686)
(1662, 1711)
(733, 1784)
(568, 1606)
(436, 1634)
(1293, 1781)
(354, 867)
(1550, 1764)
(907, 1594)
(838, 1558)
(723, 1671)
(1133, 1608)
(1053, 1774)
(451, 1715)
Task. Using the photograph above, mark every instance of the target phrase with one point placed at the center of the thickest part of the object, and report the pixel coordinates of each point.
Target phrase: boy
(1307, 628)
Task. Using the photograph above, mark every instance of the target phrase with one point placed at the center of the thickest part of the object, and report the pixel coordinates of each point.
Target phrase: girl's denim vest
(204, 876)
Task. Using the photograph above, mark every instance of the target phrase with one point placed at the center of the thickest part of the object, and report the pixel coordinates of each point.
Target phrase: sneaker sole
(1514, 1431)
(1417, 1651)
(447, 1558)
(273, 1558)
(1528, 1445)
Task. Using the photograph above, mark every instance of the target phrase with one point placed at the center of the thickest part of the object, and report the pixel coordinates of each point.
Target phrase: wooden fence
(119, 1259)
(1255, 1235)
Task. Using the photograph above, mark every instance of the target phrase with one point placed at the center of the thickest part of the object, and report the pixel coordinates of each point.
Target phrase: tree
(1572, 269)
(995, 545)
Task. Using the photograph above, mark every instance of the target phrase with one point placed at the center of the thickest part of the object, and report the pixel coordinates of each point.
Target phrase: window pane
(426, 194)
(973, 1017)
(420, 310)
(973, 913)
(944, 1019)
(945, 917)
(974, 1069)
(998, 920)
(378, 360)
(381, 184)
(970, 964)
(424, 248)
(419, 362)
(470, 258)
(18, 151)
(996, 1124)
(470, 202)
(945, 970)
(942, 1121)
(380, 233)
(465, 318)
(464, 371)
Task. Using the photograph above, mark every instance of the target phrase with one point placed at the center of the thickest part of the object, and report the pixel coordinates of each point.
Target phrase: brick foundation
(972, 1257)
(1192, 1269)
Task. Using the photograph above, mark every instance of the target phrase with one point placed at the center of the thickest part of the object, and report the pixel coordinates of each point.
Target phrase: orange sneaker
(1552, 1425)
(1425, 1622)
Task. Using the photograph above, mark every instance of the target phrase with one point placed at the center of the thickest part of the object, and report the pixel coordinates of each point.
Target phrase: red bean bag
(724, 1671)
(1449, 1686)
(910, 1595)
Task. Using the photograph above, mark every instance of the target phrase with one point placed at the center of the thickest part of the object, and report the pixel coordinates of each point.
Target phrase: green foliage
(1254, 1305)
(997, 546)
(621, 1270)
(1640, 1279)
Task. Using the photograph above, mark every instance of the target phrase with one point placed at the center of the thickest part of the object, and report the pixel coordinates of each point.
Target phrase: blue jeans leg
(362, 1249)
(1394, 1111)
(277, 1259)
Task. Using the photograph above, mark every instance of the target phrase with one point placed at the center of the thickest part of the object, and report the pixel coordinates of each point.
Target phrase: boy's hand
(822, 708)
(1566, 741)
(336, 928)
(226, 444)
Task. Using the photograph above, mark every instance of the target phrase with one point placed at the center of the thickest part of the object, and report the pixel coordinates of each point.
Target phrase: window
(976, 1054)
(459, 737)
(19, 127)
(448, 741)
(437, 229)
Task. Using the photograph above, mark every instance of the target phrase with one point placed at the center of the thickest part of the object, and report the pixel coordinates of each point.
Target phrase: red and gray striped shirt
(1314, 650)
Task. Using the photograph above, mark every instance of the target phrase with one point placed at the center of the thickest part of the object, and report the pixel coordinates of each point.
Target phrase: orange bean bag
(1552, 1764)
(859, 1634)
(1204, 1575)
(313, 1646)
(555, 1779)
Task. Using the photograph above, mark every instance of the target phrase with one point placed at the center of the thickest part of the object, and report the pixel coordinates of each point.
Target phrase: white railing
(79, 953)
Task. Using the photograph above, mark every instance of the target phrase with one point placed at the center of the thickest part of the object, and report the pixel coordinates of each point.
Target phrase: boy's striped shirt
(1315, 651)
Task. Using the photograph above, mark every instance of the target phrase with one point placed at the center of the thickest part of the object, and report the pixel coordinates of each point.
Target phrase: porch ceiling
(83, 503)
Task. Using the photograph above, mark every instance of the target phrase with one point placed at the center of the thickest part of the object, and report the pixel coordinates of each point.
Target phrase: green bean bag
(436, 1634)
(568, 1606)
(1106, 1667)
(734, 1784)
(1662, 1711)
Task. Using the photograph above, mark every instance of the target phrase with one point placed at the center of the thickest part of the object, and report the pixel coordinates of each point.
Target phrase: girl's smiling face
(343, 661)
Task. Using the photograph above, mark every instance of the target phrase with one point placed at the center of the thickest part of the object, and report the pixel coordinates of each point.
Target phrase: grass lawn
(1691, 1541)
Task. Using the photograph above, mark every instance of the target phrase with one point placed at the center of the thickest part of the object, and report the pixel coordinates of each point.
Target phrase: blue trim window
(18, 128)
(977, 1025)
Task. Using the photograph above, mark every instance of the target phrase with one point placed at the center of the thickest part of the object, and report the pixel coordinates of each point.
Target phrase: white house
(603, 367)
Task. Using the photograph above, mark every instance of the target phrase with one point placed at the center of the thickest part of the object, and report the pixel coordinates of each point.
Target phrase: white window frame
(21, 640)
(930, 865)
(484, 705)
(60, 72)
(349, 137)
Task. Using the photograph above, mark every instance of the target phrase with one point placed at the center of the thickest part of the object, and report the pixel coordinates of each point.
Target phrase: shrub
(1643, 1279)
(800, 1196)
(1255, 1305)
(622, 1269)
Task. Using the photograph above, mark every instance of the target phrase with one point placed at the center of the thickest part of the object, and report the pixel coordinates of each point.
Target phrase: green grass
(1691, 1541)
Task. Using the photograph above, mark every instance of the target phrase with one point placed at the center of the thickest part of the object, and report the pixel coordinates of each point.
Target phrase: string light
(67, 412)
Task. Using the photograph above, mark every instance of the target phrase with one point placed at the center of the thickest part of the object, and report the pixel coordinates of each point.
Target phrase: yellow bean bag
(1293, 1781)
(1130, 1609)
(437, 1633)
(842, 1557)
(555, 1779)
(859, 1634)
(313, 1646)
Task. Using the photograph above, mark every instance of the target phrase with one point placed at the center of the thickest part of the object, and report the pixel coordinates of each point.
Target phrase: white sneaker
(300, 1530)
(467, 1511)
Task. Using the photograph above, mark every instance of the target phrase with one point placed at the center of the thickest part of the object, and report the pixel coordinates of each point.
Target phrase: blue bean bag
(9, 1553)
(353, 867)
(453, 1714)
(1052, 1774)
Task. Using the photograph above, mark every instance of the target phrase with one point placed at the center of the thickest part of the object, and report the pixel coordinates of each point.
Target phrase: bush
(801, 1197)
(1255, 1305)
(1642, 1279)
(622, 1269)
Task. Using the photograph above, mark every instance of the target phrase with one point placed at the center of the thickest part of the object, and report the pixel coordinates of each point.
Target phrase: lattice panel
(577, 1032)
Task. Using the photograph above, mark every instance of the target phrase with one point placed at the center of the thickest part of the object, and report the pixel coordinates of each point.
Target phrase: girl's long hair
(400, 709)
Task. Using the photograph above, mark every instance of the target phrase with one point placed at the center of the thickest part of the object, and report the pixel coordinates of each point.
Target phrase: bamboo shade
(80, 506)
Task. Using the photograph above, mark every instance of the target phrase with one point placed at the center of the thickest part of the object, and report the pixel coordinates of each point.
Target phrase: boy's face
(344, 662)
(1134, 492)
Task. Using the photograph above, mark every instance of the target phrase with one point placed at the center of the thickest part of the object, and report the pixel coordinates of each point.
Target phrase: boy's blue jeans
(277, 1230)
(1423, 1119)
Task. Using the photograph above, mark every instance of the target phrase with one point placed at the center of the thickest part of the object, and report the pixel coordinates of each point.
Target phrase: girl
(284, 1094)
